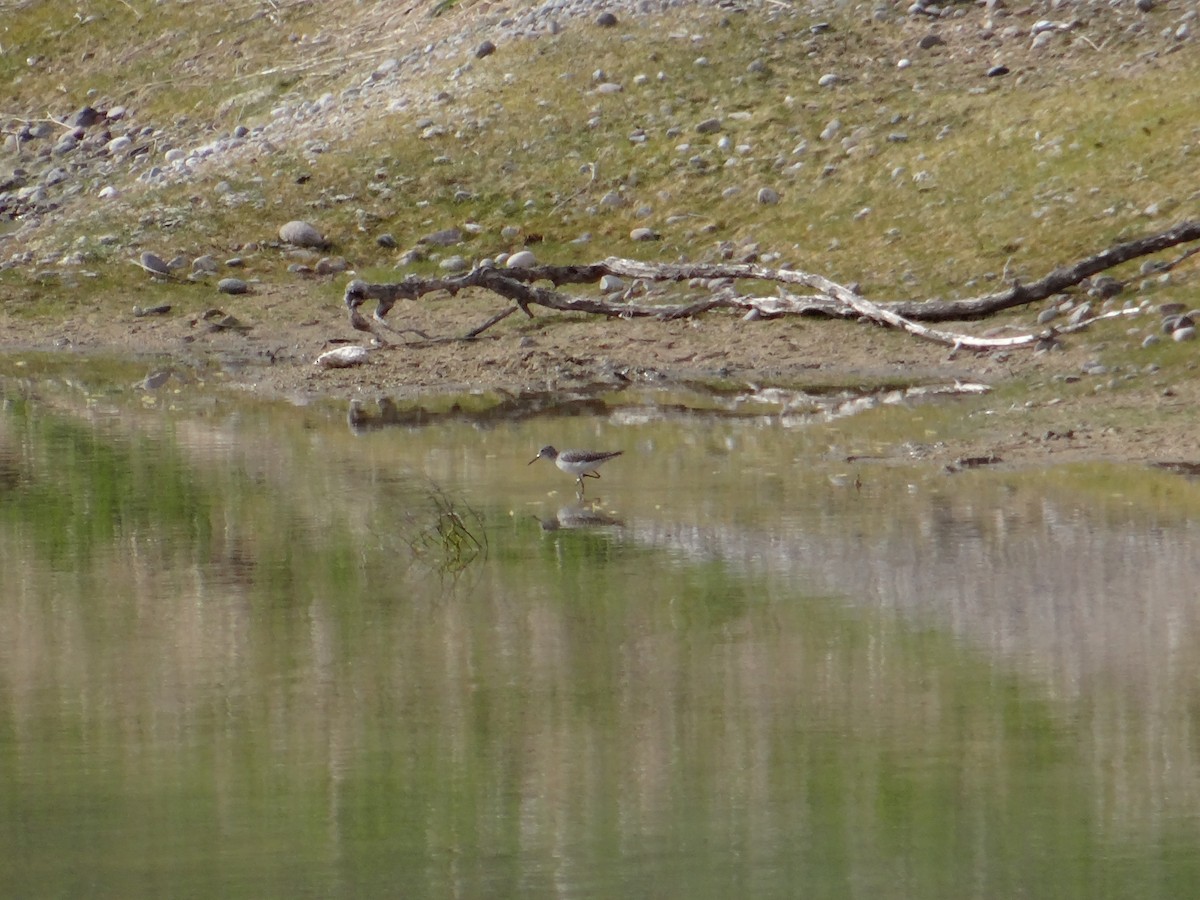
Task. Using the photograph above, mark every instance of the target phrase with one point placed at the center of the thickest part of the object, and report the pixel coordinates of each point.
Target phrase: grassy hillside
(938, 180)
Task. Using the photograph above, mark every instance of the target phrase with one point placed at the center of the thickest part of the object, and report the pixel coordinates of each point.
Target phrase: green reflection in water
(77, 490)
(267, 697)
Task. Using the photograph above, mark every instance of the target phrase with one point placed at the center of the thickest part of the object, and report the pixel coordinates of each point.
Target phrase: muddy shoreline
(1040, 408)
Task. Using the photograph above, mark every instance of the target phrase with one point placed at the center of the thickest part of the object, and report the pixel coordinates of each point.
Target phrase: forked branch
(830, 299)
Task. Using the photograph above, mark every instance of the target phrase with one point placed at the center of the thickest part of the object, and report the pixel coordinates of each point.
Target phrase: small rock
(606, 20)
(510, 232)
(447, 237)
(768, 196)
(1151, 340)
(1080, 313)
(332, 265)
(161, 310)
(709, 126)
(611, 284)
(155, 380)
(1187, 333)
(302, 234)
(153, 263)
(342, 358)
(522, 259)
(86, 117)
(643, 234)
(487, 48)
(108, 192)
(454, 264)
(1047, 315)
(387, 241)
(232, 286)
(929, 41)
(829, 79)
(997, 71)
(206, 265)
(1105, 286)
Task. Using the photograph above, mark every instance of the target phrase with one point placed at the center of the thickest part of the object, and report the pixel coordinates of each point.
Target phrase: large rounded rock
(522, 259)
(302, 234)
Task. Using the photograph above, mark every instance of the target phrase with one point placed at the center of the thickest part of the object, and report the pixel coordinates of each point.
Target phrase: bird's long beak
(532, 461)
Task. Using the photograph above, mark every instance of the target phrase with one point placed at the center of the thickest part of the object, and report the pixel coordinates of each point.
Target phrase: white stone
(522, 259)
(342, 358)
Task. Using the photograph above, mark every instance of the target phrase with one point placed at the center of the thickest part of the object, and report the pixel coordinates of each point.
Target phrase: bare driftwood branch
(1056, 281)
(831, 299)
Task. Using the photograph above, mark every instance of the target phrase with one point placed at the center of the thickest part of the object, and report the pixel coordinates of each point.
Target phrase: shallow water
(251, 651)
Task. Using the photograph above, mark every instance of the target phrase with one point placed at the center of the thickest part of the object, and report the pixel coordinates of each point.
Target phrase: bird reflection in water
(580, 516)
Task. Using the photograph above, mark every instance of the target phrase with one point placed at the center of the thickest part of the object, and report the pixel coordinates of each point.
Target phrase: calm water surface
(249, 652)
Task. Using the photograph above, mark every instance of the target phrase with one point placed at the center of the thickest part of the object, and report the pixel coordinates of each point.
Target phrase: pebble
(1187, 333)
(643, 234)
(454, 264)
(606, 20)
(768, 196)
(302, 234)
(446, 237)
(487, 48)
(161, 310)
(232, 286)
(331, 265)
(708, 126)
(206, 265)
(611, 284)
(1080, 313)
(153, 263)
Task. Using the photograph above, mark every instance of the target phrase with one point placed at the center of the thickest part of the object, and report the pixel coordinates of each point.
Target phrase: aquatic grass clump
(448, 535)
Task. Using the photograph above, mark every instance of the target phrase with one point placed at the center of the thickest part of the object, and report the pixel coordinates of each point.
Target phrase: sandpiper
(580, 463)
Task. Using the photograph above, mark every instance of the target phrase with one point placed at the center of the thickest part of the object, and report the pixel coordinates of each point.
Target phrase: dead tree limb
(831, 299)
(1053, 283)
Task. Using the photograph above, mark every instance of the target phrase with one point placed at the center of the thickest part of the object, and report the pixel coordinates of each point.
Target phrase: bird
(580, 463)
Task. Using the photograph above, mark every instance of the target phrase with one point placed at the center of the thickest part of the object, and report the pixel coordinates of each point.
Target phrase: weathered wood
(831, 299)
